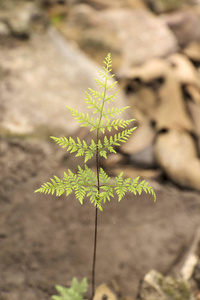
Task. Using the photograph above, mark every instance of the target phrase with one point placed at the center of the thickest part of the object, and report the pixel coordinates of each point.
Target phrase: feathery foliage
(86, 183)
(75, 292)
(97, 186)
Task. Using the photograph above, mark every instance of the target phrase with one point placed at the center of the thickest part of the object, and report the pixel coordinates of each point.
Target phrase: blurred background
(50, 52)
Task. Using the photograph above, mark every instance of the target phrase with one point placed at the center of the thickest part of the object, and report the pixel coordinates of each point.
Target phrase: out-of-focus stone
(156, 286)
(184, 69)
(127, 33)
(161, 6)
(140, 139)
(4, 30)
(187, 75)
(193, 51)
(194, 110)
(139, 146)
(103, 292)
(43, 76)
(144, 158)
(182, 24)
(104, 4)
(6, 4)
(150, 288)
(140, 30)
(191, 261)
(113, 160)
(176, 154)
(18, 19)
(158, 107)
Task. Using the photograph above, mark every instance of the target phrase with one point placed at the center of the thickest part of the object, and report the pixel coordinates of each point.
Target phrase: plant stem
(98, 187)
(94, 254)
(96, 221)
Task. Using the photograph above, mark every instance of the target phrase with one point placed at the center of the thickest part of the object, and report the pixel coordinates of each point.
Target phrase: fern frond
(86, 176)
(111, 98)
(103, 75)
(100, 83)
(111, 86)
(115, 124)
(104, 178)
(92, 103)
(115, 140)
(121, 186)
(112, 112)
(96, 94)
(86, 183)
(78, 146)
(71, 144)
(106, 86)
(80, 183)
(108, 192)
(75, 292)
(82, 118)
(56, 185)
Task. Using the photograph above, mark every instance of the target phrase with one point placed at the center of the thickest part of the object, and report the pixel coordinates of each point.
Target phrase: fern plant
(75, 292)
(97, 186)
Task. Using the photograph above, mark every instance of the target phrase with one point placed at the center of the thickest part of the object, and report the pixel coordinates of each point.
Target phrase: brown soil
(47, 240)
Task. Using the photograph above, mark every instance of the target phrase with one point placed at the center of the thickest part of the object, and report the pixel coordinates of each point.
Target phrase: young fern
(86, 183)
(75, 292)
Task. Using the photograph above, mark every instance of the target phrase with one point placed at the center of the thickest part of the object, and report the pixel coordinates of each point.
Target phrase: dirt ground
(46, 240)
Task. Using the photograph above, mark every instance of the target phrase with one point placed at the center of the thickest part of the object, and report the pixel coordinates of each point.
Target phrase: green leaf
(85, 183)
(75, 292)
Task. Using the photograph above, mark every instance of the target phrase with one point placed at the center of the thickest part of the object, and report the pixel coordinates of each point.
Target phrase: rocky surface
(44, 79)
(182, 24)
(161, 6)
(126, 33)
(167, 123)
(46, 241)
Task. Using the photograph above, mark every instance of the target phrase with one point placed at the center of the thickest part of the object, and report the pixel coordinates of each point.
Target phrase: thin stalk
(98, 187)
(94, 254)
(96, 222)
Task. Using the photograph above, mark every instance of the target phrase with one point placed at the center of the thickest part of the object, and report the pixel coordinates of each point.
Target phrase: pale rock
(176, 154)
(157, 98)
(192, 51)
(113, 160)
(182, 24)
(4, 30)
(139, 30)
(18, 18)
(140, 139)
(144, 158)
(184, 70)
(86, 28)
(156, 286)
(161, 6)
(6, 4)
(194, 110)
(43, 76)
(103, 292)
(191, 261)
(150, 288)
(125, 32)
(187, 75)
(139, 146)
(104, 4)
